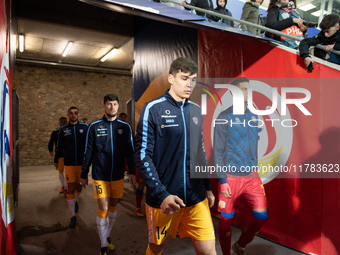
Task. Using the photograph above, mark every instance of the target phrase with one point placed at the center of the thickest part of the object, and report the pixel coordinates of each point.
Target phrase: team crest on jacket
(221, 204)
(195, 119)
(167, 111)
(120, 131)
(81, 131)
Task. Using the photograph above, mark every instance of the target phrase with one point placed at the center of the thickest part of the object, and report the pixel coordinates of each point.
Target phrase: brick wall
(45, 94)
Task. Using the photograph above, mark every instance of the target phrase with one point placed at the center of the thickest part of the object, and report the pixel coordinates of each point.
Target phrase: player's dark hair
(72, 108)
(237, 81)
(111, 97)
(122, 114)
(329, 21)
(62, 118)
(184, 65)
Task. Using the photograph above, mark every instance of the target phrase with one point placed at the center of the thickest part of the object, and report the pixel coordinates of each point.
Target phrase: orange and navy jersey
(108, 143)
(71, 144)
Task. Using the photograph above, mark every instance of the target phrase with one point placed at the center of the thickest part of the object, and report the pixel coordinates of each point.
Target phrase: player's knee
(206, 248)
(154, 249)
(228, 215)
(260, 215)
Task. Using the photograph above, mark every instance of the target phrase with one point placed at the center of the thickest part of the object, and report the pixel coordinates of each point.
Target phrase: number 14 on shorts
(161, 232)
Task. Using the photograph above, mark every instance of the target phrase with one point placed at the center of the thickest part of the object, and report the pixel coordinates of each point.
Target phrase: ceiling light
(307, 7)
(317, 13)
(108, 55)
(21, 43)
(68, 47)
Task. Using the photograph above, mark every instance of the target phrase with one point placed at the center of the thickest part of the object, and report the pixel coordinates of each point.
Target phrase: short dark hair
(72, 108)
(237, 81)
(329, 21)
(111, 97)
(184, 65)
(84, 119)
(62, 118)
(122, 114)
(255, 1)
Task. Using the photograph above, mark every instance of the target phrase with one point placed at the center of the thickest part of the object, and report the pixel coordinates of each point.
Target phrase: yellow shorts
(193, 221)
(60, 167)
(114, 189)
(72, 174)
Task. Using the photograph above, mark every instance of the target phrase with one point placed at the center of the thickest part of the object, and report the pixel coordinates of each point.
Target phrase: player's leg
(116, 193)
(102, 194)
(255, 195)
(139, 195)
(196, 223)
(61, 175)
(71, 177)
(160, 226)
(78, 188)
(227, 207)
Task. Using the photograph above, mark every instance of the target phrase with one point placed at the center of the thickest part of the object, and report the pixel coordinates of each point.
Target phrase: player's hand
(132, 180)
(56, 165)
(171, 204)
(307, 61)
(329, 47)
(84, 182)
(226, 190)
(51, 153)
(211, 198)
(181, 4)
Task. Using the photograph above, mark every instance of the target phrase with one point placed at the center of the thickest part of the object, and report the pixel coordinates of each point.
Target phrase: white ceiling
(45, 41)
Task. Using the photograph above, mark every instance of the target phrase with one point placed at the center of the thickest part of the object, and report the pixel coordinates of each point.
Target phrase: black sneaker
(76, 207)
(111, 246)
(104, 251)
(73, 222)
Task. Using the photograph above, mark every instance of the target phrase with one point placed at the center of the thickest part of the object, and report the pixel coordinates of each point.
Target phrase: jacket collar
(172, 100)
(106, 120)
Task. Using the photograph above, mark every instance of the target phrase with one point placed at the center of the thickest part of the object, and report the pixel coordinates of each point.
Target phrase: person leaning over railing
(283, 16)
(251, 13)
(329, 36)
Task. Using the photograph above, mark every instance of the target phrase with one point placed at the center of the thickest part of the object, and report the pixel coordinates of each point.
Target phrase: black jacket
(53, 140)
(108, 143)
(319, 39)
(204, 4)
(223, 10)
(72, 142)
(169, 143)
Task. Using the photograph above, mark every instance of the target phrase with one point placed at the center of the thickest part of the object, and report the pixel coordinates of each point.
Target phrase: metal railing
(263, 28)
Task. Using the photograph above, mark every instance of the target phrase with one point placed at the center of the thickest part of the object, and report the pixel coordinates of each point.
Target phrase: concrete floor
(42, 219)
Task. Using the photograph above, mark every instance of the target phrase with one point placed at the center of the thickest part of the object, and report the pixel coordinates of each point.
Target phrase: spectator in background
(221, 4)
(84, 120)
(283, 16)
(123, 117)
(251, 13)
(329, 36)
(204, 4)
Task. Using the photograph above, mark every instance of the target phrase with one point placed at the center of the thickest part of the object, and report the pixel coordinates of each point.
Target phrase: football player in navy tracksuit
(108, 143)
(235, 147)
(71, 145)
(53, 142)
(169, 142)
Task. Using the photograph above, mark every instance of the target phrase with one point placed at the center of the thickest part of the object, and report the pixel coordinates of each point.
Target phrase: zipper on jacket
(185, 155)
(75, 141)
(111, 150)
